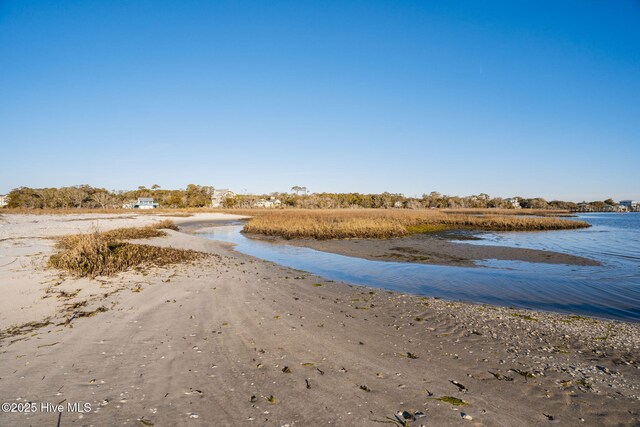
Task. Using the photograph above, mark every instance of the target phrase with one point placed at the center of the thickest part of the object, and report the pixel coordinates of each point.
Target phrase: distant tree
(103, 198)
(197, 196)
(298, 189)
(231, 202)
(610, 202)
(155, 186)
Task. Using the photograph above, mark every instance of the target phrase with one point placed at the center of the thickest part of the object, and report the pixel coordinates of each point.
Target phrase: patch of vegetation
(104, 254)
(128, 233)
(451, 400)
(379, 224)
(425, 228)
(575, 318)
(525, 317)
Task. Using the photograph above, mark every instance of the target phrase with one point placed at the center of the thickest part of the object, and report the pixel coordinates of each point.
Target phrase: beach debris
(451, 400)
(343, 369)
(500, 377)
(525, 317)
(307, 364)
(549, 417)
(459, 385)
(146, 422)
(272, 399)
(604, 369)
(406, 415)
(306, 380)
(419, 414)
(320, 371)
(315, 284)
(525, 374)
(286, 370)
(365, 388)
(466, 416)
(253, 399)
(411, 355)
(23, 329)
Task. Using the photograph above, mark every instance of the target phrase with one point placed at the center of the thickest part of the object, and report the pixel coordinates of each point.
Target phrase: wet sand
(233, 340)
(429, 249)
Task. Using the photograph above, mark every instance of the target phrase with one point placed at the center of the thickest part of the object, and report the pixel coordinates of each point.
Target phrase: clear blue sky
(538, 98)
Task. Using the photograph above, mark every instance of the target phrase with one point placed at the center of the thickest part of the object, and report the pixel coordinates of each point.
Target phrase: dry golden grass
(104, 254)
(526, 212)
(375, 223)
(128, 233)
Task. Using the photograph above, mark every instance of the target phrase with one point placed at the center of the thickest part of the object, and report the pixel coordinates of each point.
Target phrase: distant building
(271, 203)
(219, 196)
(630, 205)
(585, 207)
(145, 203)
(514, 202)
(4, 200)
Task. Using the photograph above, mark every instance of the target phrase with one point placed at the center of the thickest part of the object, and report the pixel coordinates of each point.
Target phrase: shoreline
(429, 249)
(207, 343)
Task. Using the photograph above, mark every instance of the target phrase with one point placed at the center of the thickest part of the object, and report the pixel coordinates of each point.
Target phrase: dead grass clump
(166, 224)
(376, 224)
(128, 233)
(103, 254)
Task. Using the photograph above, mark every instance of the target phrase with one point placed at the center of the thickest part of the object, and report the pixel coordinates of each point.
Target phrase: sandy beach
(233, 340)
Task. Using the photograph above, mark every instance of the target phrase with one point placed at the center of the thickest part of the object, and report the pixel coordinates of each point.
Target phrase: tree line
(87, 197)
(393, 200)
(196, 196)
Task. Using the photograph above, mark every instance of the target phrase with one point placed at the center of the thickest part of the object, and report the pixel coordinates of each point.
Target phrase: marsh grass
(105, 253)
(380, 224)
(128, 233)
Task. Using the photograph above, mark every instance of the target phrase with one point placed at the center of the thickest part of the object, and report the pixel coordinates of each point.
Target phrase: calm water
(611, 290)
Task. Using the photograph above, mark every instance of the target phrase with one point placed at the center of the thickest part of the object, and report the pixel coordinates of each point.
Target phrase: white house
(145, 203)
(515, 203)
(4, 200)
(219, 196)
(271, 203)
